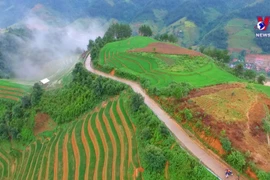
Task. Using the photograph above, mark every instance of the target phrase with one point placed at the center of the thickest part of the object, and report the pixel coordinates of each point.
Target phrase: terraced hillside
(179, 65)
(12, 91)
(100, 146)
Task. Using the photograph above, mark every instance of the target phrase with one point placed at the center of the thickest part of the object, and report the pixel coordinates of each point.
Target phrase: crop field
(12, 91)
(100, 146)
(162, 69)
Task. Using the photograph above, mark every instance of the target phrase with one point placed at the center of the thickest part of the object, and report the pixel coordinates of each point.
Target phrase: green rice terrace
(162, 63)
(12, 91)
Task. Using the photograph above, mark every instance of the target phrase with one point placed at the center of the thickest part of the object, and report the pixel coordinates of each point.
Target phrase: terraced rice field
(12, 91)
(162, 69)
(100, 146)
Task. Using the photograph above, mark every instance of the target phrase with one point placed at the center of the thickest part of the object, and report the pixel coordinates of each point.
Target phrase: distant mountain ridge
(210, 17)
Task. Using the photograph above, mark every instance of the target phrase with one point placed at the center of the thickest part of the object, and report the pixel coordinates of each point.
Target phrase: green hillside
(161, 70)
(241, 35)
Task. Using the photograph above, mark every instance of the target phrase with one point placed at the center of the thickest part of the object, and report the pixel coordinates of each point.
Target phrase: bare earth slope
(210, 160)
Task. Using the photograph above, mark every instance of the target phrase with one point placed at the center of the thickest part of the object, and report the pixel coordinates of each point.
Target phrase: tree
(250, 74)
(261, 79)
(17, 111)
(145, 30)
(237, 159)
(239, 69)
(36, 94)
(266, 127)
(154, 158)
(136, 102)
(26, 101)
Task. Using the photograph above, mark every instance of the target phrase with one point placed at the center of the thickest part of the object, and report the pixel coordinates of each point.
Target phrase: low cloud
(51, 45)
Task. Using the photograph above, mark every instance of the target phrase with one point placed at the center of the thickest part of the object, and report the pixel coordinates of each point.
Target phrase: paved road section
(210, 160)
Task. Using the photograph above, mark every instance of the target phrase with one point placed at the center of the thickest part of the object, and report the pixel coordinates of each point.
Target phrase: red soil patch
(76, 154)
(122, 145)
(43, 123)
(213, 142)
(165, 48)
(137, 171)
(112, 72)
(251, 174)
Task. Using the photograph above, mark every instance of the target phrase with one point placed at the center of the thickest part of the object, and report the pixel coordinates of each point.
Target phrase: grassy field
(12, 91)
(161, 70)
(100, 146)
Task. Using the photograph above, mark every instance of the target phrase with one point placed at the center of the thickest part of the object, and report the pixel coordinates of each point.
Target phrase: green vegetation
(166, 38)
(159, 70)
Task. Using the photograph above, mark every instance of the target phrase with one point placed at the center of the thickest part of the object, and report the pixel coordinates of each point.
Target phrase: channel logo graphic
(262, 25)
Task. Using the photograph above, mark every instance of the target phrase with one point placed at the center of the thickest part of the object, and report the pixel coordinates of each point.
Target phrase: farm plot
(100, 146)
(162, 63)
(12, 91)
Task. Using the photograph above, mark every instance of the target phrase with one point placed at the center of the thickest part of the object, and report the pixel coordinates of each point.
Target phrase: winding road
(210, 160)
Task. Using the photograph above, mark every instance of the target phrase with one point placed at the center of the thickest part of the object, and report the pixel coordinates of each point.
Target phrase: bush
(237, 160)
(188, 115)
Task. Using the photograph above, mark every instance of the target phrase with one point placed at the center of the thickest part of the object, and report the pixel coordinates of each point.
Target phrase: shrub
(188, 115)
(226, 144)
(136, 102)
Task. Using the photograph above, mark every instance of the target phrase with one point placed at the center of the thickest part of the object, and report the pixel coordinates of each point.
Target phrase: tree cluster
(216, 54)
(167, 38)
(247, 74)
(17, 121)
(118, 31)
(145, 30)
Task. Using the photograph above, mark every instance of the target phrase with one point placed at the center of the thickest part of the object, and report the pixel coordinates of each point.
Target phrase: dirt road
(211, 161)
